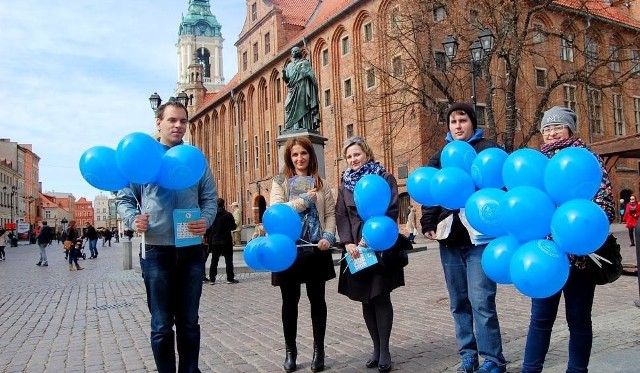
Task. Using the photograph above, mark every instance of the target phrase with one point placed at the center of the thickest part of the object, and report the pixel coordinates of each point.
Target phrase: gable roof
(599, 9)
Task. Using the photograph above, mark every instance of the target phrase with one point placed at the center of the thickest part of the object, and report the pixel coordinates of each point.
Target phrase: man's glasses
(553, 129)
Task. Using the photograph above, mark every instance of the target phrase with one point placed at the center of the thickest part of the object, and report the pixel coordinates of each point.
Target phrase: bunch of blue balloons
(141, 159)
(277, 250)
(372, 195)
(544, 197)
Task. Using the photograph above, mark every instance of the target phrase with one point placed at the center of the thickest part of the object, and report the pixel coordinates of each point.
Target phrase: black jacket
(432, 215)
(220, 230)
(46, 235)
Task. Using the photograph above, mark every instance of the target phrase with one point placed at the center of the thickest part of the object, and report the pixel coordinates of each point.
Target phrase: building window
(267, 145)
(367, 30)
(245, 152)
(591, 52)
(439, 13)
(474, 15)
(370, 77)
(481, 115)
(254, 12)
(395, 18)
(441, 111)
(566, 48)
(636, 112)
(595, 107)
(614, 65)
(244, 61)
(256, 153)
(541, 78)
(396, 66)
(441, 60)
(325, 57)
(267, 43)
(265, 97)
(219, 165)
(278, 90)
(345, 45)
(538, 33)
(347, 88)
(635, 61)
(237, 157)
(570, 97)
(255, 52)
(349, 129)
(327, 97)
(618, 115)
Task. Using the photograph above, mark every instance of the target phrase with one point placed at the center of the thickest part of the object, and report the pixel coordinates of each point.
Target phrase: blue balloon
(483, 211)
(524, 167)
(139, 157)
(277, 252)
(451, 187)
(459, 154)
(97, 168)
(282, 219)
(372, 195)
(525, 213)
(182, 167)
(418, 185)
(579, 227)
(572, 173)
(539, 269)
(380, 232)
(486, 168)
(251, 253)
(496, 258)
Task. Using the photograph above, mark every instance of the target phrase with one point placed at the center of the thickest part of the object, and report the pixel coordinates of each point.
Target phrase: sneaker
(234, 281)
(490, 366)
(205, 280)
(469, 364)
(45, 264)
(39, 264)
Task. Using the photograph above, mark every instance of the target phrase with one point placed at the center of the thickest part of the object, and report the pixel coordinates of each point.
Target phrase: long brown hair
(289, 170)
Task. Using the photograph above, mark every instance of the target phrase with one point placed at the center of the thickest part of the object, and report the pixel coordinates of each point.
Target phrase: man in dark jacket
(44, 238)
(91, 234)
(471, 293)
(221, 243)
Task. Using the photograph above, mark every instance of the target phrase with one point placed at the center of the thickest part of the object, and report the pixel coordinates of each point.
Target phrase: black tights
(378, 315)
(632, 232)
(290, 300)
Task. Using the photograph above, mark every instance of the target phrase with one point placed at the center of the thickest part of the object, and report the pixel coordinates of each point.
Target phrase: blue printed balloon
(525, 213)
(277, 252)
(419, 185)
(182, 167)
(524, 167)
(539, 269)
(579, 227)
(372, 195)
(282, 219)
(483, 211)
(572, 173)
(459, 154)
(486, 168)
(97, 168)
(451, 187)
(496, 258)
(380, 232)
(139, 157)
(252, 252)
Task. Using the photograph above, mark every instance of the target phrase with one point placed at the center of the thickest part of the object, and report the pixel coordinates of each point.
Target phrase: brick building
(581, 54)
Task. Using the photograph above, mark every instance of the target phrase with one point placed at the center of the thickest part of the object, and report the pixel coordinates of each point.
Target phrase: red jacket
(631, 214)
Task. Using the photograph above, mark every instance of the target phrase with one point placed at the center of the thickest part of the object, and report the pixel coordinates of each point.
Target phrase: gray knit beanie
(559, 115)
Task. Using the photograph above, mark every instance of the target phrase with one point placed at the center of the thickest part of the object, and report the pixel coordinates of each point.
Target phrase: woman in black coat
(371, 286)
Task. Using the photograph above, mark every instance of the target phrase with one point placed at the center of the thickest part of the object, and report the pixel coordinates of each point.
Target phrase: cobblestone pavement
(96, 320)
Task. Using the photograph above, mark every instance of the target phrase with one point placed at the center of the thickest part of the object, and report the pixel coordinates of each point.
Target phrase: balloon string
(143, 243)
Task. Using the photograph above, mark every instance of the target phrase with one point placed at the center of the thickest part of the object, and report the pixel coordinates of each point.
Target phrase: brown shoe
(71, 268)
(80, 268)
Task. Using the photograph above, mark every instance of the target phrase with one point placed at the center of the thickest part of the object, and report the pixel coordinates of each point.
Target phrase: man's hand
(431, 235)
(197, 227)
(141, 223)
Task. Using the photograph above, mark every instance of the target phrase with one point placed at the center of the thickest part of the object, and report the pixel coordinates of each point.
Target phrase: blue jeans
(173, 279)
(578, 299)
(472, 297)
(93, 247)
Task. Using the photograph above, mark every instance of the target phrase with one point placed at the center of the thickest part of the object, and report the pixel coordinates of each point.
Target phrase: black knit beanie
(467, 109)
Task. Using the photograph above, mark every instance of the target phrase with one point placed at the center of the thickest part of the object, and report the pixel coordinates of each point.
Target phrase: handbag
(396, 256)
(606, 265)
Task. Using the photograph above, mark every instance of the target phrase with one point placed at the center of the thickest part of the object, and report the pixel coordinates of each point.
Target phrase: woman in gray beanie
(558, 130)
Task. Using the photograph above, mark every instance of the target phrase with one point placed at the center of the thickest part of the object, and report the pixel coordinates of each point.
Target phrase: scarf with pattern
(351, 177)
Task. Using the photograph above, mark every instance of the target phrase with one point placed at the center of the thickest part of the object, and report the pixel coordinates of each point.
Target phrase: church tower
(199, 36)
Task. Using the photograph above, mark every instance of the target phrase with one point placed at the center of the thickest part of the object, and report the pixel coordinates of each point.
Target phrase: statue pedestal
(316, 139)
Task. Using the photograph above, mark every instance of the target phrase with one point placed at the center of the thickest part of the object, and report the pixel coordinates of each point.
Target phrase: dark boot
(317, 363)
(290, 360)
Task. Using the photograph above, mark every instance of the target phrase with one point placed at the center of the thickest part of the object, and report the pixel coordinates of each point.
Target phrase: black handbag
(607, 272)
(396, 256)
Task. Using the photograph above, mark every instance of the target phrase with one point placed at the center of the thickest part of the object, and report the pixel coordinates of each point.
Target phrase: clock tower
(200, 39)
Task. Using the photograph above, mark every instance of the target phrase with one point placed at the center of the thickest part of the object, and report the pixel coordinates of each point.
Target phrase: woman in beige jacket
(300, 187)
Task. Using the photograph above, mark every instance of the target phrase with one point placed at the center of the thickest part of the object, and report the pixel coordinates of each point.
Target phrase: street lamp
(14, 191)
(155, 101)
(481, 46)
(64, 222)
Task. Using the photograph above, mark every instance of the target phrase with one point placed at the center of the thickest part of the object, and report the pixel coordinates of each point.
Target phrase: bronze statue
(301, 108)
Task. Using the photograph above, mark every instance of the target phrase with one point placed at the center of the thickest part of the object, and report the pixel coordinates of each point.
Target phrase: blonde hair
(357, 140)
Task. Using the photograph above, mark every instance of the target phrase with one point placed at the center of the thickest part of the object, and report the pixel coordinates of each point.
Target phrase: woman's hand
(353, 251)
(324, 244)
(362, 243)
(313, 194)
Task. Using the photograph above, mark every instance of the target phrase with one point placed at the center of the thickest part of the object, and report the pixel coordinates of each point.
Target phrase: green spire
(199, 21)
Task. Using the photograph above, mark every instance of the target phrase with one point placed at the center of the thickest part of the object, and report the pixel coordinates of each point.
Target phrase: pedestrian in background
(3, 243)
(472, 295)
(221, 243)
(558, 130)
(299, 186)
(631, 218)
(237, 218)
(106, 237)
(44, 238)
(172, 275)
(412, 224)
(74, 251)
(373, 286)
(91, 235)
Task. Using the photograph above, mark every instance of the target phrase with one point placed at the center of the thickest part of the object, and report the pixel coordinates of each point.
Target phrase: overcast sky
(76, 74)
